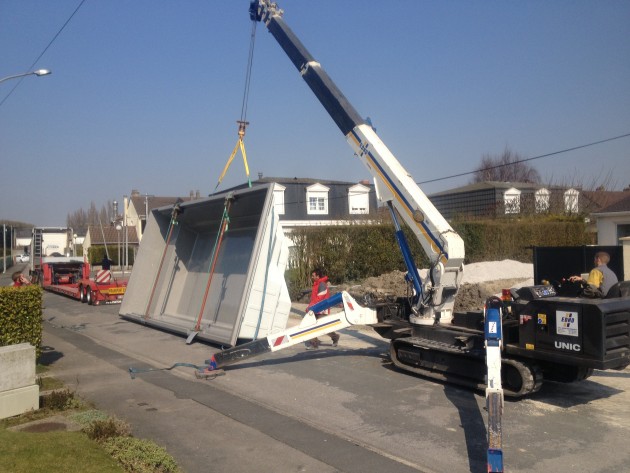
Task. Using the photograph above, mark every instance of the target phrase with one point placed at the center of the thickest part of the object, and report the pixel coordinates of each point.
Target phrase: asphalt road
(331, 410)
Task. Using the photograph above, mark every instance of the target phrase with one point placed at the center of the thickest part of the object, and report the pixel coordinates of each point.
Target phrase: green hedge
(96, 253)
(347, 253)
(496, 240)
(351, 253)
(21, 316)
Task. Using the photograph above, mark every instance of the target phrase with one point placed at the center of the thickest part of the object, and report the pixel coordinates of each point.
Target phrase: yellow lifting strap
(242, 123)
(239, 144)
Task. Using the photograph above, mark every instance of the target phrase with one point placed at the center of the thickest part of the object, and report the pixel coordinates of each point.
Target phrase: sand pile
(480, 281)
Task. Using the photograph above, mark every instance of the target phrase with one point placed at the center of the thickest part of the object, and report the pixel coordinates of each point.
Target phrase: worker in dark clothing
(106, 263)
(319, 293)
(601, 278)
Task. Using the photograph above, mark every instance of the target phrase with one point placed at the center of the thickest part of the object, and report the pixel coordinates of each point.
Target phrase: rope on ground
(202, 371)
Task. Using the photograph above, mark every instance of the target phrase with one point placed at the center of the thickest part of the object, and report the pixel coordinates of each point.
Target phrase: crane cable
(242, 123)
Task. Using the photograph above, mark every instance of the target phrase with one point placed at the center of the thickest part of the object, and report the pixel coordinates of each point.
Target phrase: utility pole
(4, 248)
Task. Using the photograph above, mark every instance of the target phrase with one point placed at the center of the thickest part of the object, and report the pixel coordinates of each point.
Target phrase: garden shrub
(103, 429)
(140, 456)
(59, 400)
(84, 418)
(21, 316)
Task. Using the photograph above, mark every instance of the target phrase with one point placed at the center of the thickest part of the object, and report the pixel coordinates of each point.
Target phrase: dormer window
(317, 199)
(359, 200)
(571, 201)
(542, 200)
(278, 198)
(512, 201)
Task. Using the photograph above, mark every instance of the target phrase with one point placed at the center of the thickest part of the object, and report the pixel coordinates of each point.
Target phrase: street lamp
(4, 248)
(118, 229)
(38, 73)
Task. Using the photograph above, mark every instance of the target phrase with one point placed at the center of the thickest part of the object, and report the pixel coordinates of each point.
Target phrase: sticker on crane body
(567, 323)
(492, 327)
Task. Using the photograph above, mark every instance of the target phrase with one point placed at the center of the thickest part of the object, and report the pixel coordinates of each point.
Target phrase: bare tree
(80, 220)
(605, 180)
(507, 167)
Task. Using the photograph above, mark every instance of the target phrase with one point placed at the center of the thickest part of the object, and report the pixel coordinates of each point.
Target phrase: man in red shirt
(19, 279)
(319, 293)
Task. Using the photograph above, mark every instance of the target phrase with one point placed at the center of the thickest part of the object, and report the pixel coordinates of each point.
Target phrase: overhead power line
(527, 159)
(303, 202)
(44, 51)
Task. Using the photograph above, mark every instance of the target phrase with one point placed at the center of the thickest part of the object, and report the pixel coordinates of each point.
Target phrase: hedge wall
(96, 253)
(21, 316)
(355, 252)
(496, 240)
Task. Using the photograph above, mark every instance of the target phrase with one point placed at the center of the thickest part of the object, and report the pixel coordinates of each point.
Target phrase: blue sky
(145, 94)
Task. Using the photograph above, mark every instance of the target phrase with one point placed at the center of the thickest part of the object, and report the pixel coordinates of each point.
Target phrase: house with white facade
(495, 199)
(613, 222)
(308, 202)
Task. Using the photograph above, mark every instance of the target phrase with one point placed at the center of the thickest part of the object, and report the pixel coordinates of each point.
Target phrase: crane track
(462, 367)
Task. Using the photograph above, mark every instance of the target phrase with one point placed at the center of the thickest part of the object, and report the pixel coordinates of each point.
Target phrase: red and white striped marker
(103, 276)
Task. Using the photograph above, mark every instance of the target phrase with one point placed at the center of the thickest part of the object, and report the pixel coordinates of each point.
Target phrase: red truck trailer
(70, 276)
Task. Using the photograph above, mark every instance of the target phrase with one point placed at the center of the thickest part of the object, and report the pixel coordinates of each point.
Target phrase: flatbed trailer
(70, 276)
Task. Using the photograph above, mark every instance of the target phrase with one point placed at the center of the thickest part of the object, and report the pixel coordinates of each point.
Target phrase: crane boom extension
(309, 328)
(435, 296)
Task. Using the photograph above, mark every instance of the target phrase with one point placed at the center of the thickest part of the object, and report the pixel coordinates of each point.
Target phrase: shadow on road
(274, 359)
(471, 418)
(49, 356)
(472, 421)
(573, 394)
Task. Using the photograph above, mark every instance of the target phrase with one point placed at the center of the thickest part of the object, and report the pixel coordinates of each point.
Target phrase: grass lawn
(48, 452)
(104, 444)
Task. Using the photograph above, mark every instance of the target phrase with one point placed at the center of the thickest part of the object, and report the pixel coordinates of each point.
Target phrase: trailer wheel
(89, 295)
(82, 296)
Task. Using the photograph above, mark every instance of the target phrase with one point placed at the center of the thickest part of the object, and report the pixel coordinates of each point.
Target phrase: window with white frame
(571, 201)
(278, 198)
(359, 199)
(317, 199)
(512, 201)
(542, 200)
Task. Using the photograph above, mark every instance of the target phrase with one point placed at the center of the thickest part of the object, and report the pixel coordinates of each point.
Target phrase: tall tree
(506, 167)
(80, 220)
